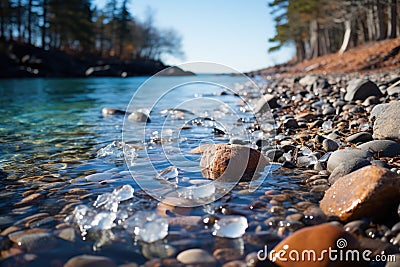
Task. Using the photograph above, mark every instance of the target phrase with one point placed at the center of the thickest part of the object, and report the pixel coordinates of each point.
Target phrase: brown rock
(315, 239)
(371, 191)
(229, 162)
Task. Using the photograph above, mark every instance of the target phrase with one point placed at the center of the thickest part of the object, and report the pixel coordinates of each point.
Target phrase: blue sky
(229, 32)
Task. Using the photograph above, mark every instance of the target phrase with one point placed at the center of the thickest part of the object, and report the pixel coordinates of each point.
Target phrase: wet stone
(227, 254)
(345, 155)
(138, 116)
(347, 167)
(196, 256)
(356, 227)
(90, 261)
(317, 238)
(360, 137)
(329, 145)
(227, 162)
(361, 89)
(290, 124)
(235, 264)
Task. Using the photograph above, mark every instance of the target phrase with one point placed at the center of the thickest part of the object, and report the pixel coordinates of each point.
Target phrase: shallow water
(50, 134)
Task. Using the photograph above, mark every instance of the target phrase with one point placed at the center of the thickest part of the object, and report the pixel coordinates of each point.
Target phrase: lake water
(51, 132)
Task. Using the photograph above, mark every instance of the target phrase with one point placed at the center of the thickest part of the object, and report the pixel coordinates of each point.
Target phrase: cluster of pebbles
(337, 141)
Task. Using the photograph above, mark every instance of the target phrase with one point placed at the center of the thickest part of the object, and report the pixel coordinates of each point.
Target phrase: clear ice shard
(103, 220)
(116, 151)
(123, 193)
(147, 226)
(230, 226)
(168, 173)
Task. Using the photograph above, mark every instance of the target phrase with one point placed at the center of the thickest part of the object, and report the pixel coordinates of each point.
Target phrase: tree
(320, 27)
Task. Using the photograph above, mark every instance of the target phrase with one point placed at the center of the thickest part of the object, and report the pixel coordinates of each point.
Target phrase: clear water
(50, 133)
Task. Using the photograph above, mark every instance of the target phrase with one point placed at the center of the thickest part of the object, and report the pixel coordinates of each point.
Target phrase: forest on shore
(321, 27)
(38, 35)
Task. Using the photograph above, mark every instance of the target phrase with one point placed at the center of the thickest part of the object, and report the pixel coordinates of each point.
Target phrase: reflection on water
(51, 131)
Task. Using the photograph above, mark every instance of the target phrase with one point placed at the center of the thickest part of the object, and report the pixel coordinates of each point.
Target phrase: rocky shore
(343, 132)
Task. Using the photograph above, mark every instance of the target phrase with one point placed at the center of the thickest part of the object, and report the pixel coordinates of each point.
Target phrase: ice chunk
(168, 173)
(110, 201)
(107, 201)
(123, 193)
(103, 220)
(103, 199)
(147, 226)
(97, 177)
(204, 190)
(230, 226)
(82, 216)
(116, 151)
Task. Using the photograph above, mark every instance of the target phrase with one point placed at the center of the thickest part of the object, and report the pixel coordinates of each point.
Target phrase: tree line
(319, 27)
(78, 26)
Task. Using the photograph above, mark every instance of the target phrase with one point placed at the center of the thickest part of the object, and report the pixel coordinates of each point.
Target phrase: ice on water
(197, 192)
(116, 150)
(103, 220)
(230, 226)
(147, 226)
(109, 201)
(104, 211)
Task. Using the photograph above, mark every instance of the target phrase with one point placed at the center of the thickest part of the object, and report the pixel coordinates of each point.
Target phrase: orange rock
(230, 162)
(371, 191)
(316, 246)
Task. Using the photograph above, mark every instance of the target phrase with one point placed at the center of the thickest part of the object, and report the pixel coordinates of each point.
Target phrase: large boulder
(306, 247)
(378, 110)
(387, 124)
(372, 192)
(361, 89)
(229, 162)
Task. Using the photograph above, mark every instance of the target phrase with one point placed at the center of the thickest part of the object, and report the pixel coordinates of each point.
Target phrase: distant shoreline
(19, 60)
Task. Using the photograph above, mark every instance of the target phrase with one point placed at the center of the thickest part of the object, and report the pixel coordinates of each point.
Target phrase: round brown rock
(371, 191)
(230, 162)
